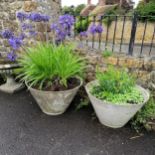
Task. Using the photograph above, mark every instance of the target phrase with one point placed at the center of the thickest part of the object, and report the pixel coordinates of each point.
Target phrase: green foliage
(83, 103)
(75, 11)
(79, 8)
(81, 24)
(117, 86)
(68, 10)
(112, 12)
(45, 64)
(144, 116)
(146, 9)
(107, 53)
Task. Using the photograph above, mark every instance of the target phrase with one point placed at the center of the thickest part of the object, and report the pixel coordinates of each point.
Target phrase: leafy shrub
(117, 86)
(107, 53)
(144, 116)
(46, 64)
(79, 8)
(82, 25)
(146, 9)
(75, 11)
(68, 10)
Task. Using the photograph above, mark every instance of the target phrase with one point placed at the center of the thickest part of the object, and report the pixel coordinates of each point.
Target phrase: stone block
(153, 65)
(29, 6)
(112, 60)
(122, 61)
(132, 62)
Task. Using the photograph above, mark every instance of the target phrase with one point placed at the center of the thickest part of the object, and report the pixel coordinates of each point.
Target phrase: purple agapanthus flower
(63, 28)
(54, 26)
(22, 16)
(12, 56)
(66, 20)
(36, 17)
(99, 28)
(84, 34)
(60, 34)
(7, 34)
(15, 42)
(92, 29)
(22, 36)
(26, 26)
(45, 18)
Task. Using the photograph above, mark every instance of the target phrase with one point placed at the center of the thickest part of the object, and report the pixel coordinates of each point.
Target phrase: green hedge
(146, 9)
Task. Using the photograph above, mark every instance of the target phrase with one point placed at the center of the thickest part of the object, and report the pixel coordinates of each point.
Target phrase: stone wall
(9, 8)
(142, 68)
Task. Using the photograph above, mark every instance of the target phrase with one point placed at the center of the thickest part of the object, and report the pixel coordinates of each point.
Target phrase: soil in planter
(71, 83)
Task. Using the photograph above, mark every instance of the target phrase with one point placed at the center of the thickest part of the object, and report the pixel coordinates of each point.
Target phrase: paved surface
(25, 130)
(124, 48)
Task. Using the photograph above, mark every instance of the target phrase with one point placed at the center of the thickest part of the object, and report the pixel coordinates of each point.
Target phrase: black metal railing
(129, 46)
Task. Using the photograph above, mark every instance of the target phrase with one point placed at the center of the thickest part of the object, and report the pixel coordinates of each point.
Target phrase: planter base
(11, 86)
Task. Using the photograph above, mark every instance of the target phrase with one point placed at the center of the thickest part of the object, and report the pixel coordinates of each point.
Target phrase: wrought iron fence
(136, 34)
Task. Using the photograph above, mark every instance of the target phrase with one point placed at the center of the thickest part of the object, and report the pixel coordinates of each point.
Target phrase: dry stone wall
(9, 8)
(142, 68)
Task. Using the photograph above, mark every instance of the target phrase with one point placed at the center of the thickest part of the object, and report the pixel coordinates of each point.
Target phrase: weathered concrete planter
(11, 86)
(113, 115)
(54, 102)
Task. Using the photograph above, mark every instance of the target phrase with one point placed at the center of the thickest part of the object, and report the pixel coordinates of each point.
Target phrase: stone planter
(112, 115)
(11, 86)
(54, 102)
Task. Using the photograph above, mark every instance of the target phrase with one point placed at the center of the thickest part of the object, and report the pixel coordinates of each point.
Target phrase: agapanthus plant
(63, 27)
(94, 29)
(35, 17)
(14, 42)
(7, 34)
(27, 31)
(84, 34)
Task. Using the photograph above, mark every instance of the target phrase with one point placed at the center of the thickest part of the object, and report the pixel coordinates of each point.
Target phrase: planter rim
(121, 104)
(81, 82)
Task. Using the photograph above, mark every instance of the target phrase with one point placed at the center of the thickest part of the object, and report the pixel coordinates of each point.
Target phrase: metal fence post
(133, 34)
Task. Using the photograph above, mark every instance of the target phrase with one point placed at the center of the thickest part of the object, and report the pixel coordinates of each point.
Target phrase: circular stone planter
(54, 102)
(112, 115)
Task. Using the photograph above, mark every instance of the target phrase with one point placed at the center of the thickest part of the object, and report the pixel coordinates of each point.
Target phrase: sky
(76, 2)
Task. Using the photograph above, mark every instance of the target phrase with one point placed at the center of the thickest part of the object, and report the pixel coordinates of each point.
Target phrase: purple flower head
(22, 36)
(45, 18)
(26, 26)
(22, 16)
(84, 34)
(68, 20)
(93, 29)
(7, 34)
(12, 56)
(99, 28)
(36, 17)
(54, 26)
(15, 42)
(60, 34)
(96, 29)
